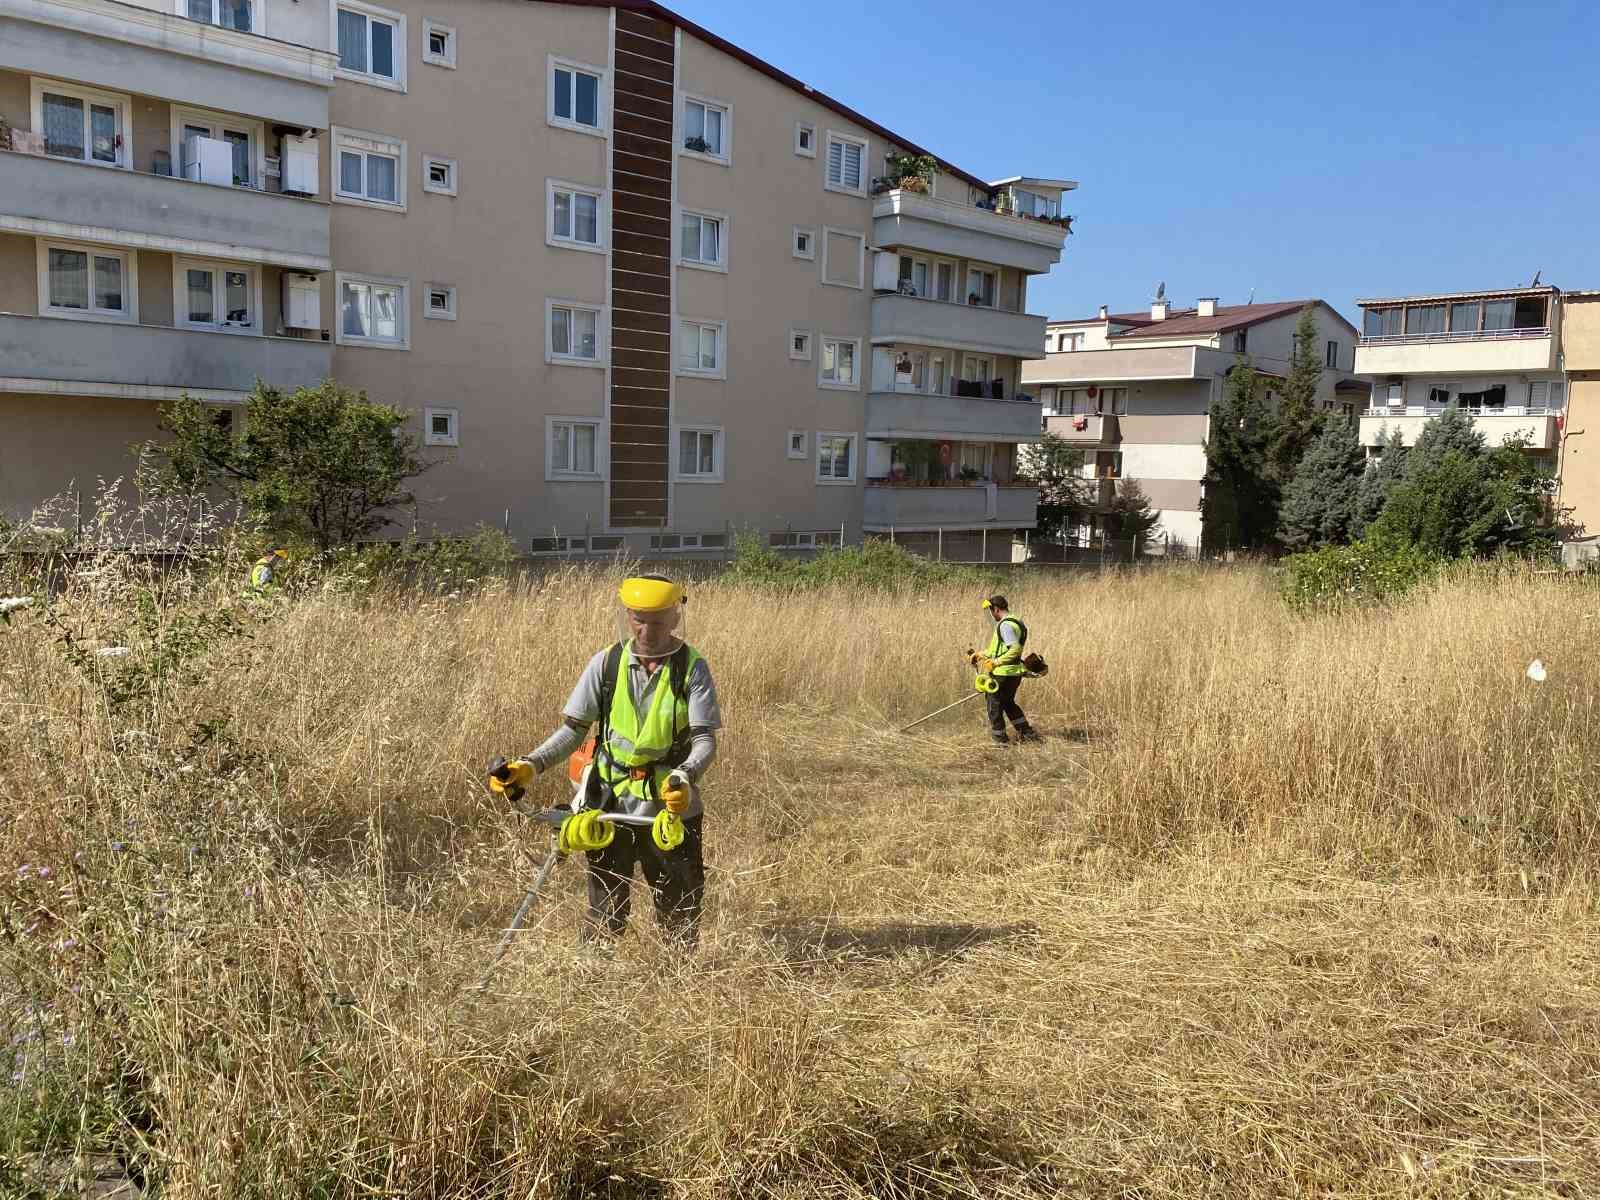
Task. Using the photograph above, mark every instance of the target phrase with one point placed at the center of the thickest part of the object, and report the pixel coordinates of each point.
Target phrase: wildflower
(118, 847)
(43, 872)
(22, 871)
(1536, 671)
(113, 652)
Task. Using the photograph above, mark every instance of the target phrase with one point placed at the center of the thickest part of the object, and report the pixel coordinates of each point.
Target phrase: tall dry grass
(1283, 906)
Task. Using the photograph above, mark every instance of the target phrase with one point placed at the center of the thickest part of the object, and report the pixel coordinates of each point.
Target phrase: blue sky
(1365, 149)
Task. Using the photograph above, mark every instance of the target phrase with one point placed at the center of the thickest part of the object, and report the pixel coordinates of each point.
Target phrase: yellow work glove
(510, 780)
(972, 656)
(985, 665)
(676, 793)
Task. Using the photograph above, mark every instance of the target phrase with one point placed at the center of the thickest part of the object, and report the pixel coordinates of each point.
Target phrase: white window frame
(217, 120)
(429, 161)
(685, 542)
(344, 139)
(180, 293)
(552, 475)
(401, 47)
(602, 96)
(258, 16)
(861, 258)
(809, 231)
(602, 203)
(1331, 351)
(855, 359)
(705, 214)
(855, 458)
(88, 96)
(724, 159)
(700, 323)
(930, 273)
(448, 58)
(433, 314)
(718, 453)
(601, 334)
(805, 127)
(403, 284)
(956, 294)
(801, 355)
(130, 280)
(828, 185)
(797, 452)
(981, 268)
(430, 438)
(988, 372)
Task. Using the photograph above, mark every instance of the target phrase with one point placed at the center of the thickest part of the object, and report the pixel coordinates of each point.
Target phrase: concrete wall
(1488, 357)
(52, 456)
(19, 274)
(303, 22)
(1580, 332)
(1580, 452)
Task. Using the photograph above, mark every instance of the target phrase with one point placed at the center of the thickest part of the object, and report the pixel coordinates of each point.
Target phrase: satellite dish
(1161, 290)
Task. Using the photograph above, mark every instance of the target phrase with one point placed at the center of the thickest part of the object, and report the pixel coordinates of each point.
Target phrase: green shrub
(446, 564)
(875, 566)
(1360, 573)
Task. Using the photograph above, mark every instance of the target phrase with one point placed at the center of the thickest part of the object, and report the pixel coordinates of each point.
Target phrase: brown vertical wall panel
(641, 272)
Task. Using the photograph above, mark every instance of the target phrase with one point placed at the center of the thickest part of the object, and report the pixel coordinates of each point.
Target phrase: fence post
(727, 541)
(841, 535)
(939, 554)
(985, 543)
(1133, 555)
(891, 535)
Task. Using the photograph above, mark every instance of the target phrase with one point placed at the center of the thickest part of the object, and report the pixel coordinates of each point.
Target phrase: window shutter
(836, 162)
(852, 166)
(1538, 393)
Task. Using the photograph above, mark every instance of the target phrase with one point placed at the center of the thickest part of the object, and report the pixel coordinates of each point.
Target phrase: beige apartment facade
(1134, 391)
(1578, 498)
(640, 289)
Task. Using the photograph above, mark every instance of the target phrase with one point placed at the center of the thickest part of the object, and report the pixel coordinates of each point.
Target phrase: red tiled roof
(1138, 318)
(1229, 317)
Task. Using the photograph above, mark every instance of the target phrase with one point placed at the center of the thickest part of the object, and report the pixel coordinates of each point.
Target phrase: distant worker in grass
(1002, 661)
(261, 573)
(656, 705)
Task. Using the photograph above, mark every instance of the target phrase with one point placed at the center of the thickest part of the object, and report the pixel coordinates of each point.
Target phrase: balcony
(943, 227)
(56, 197)
(1499, 425)
(923, 416)
(50, 354)
(954, 506)
(1085, 430)
(1486, 352)
(899, 318)
(140, 49)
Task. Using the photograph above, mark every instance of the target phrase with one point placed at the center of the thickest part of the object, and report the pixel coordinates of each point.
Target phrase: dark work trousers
(1003, 704)
(677, 880)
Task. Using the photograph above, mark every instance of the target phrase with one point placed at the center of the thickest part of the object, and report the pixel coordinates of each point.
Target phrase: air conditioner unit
(208, 160)
(302, 301)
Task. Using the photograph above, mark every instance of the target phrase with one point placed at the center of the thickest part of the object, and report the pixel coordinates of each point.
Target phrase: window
(229, 14)
(573, 216)
(1241, 341)
(983, 287)
(91, 127)
(846, 156)
(914, 276)
(220, 296)
(805, 139)
(439, 175)
(1396, 394)
(244, 142)
(699, 455)
(86, 282)
(1332, 355)
(575, 334)
(707, 129)
(1422, 319)
(805, 242)
(371, 43)
(977, 368)
(438, 44)
(574, 448)
(1381, 322)
(797, 444)
(559, 545)
(804, 539)
(844, 257)
(440, 427)
(576, 90)
(701, 348)
(371, 169)
(439, 302)
(944, 282)
(1464, 317)
(1033, 204)
(688, 541)
(703, 240)
(837, 366)
(800, 344)
(372, 312)
(836, 458)
(1070, 342)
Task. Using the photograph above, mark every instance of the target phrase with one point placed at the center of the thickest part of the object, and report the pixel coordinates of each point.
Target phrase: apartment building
(1578, 497)
(639, 287)
(1134, 390)
(1496, 355)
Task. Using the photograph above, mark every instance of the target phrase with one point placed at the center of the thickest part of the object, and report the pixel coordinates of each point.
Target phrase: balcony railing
(1465, 335)
(1471, 410)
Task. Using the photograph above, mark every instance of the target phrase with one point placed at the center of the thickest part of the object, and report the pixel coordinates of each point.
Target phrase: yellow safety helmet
(650, 593)
(280, 554)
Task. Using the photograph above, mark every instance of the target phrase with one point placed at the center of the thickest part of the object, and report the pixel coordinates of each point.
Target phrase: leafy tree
(1239, 509)
(1297, 421)
(1130, 515)
(1063, 492)
(1319, 505)
(322, 462)
(1380, 478)
(1459, 504)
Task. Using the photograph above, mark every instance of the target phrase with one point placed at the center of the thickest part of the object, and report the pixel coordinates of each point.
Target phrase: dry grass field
(1283, 907)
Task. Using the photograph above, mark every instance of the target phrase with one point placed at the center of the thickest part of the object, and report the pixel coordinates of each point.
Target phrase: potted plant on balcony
(698, 144)
(911, 172)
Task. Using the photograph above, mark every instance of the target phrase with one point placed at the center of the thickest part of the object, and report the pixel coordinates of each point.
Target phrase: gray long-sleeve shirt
(583, 710)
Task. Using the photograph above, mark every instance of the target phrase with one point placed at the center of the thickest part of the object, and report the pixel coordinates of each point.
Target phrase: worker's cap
(996, 602)
(650, 593)
(280, 554)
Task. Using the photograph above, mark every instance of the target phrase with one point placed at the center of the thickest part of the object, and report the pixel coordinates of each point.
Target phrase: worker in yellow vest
(261, 572)
(1003, 661)
(656, 705)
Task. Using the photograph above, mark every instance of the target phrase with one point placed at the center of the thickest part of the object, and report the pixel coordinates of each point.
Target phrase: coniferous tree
(1063, 492)
(1319, 505)
(1383, 474)
(1296, 421)
(1130, 515)
(1450, 430)
(1239, 508)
